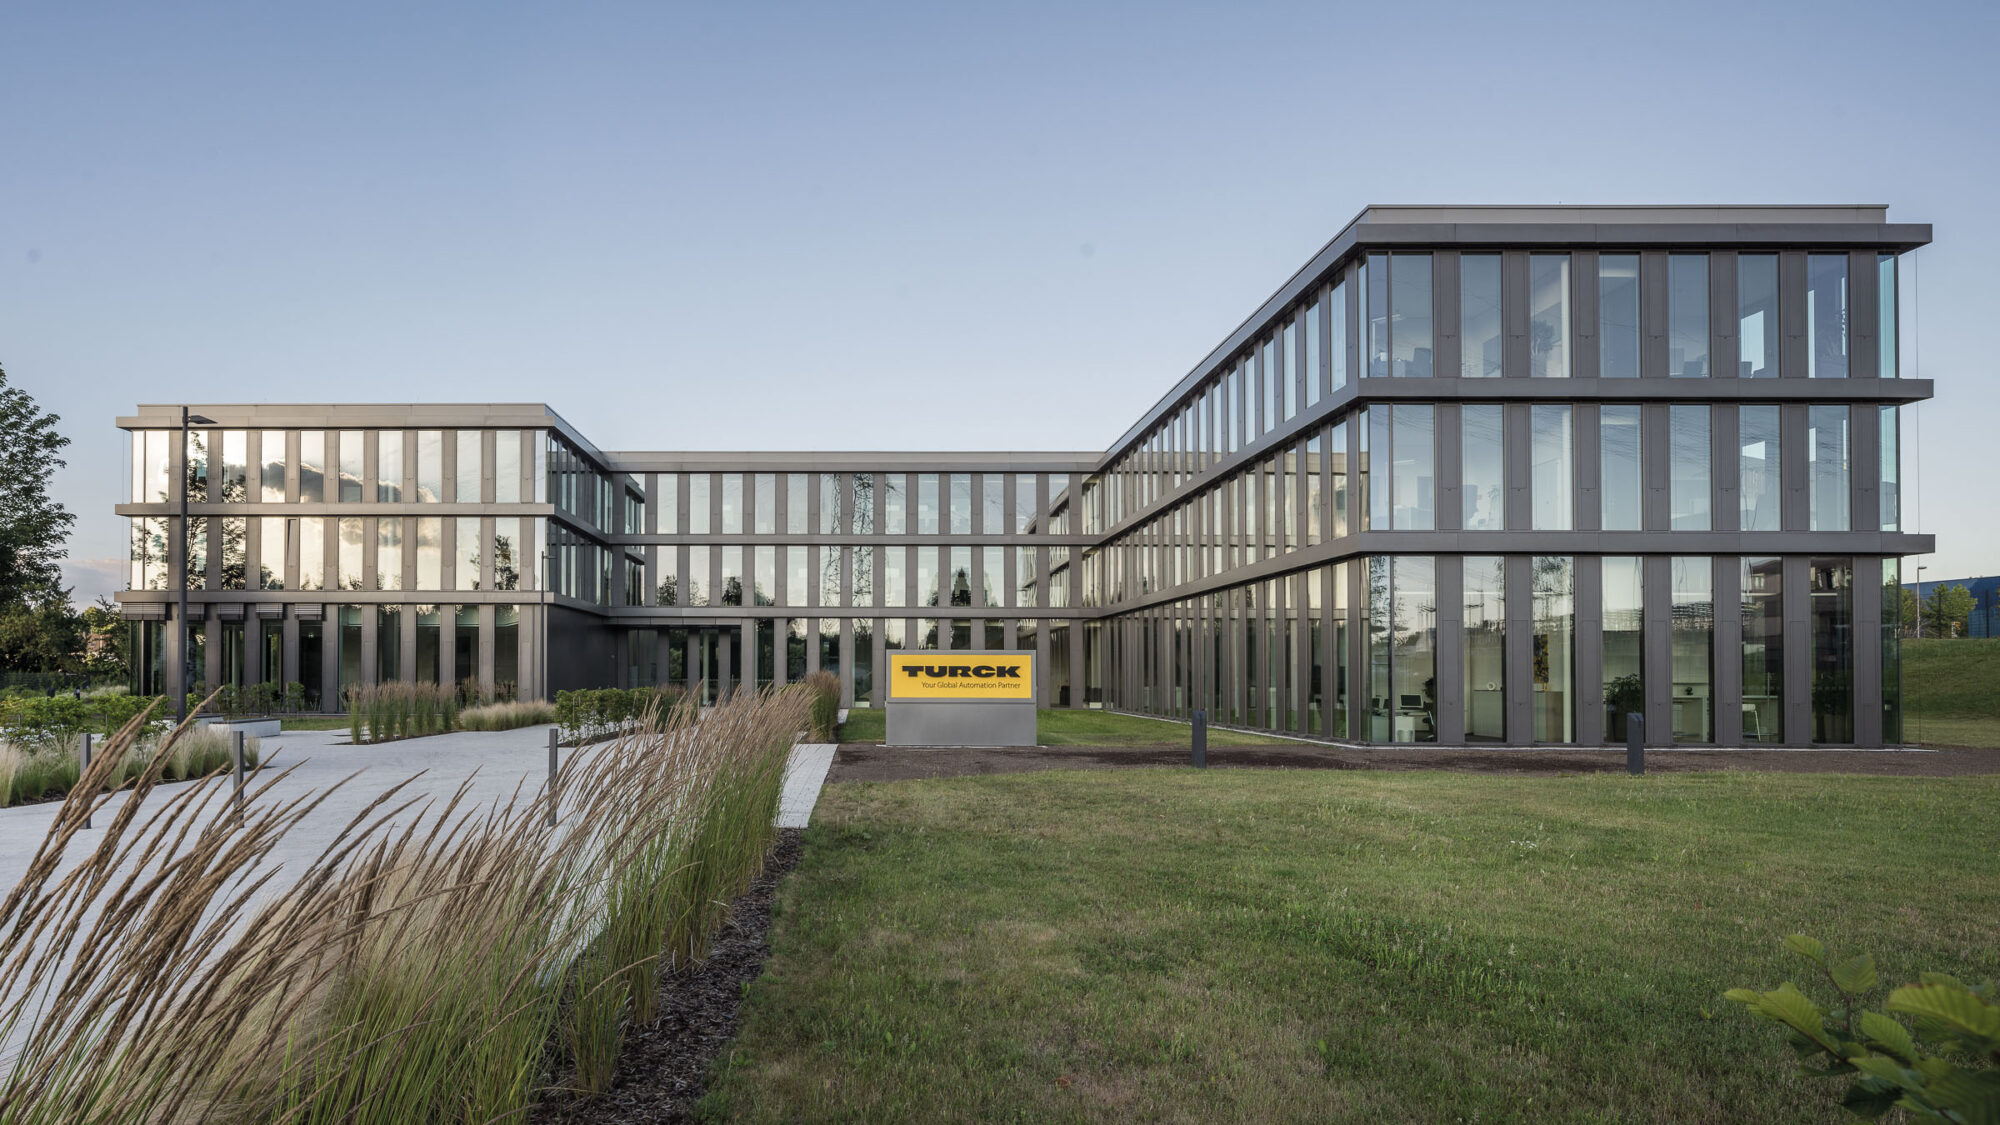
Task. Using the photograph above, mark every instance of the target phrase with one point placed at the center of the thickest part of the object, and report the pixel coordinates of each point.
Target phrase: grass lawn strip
(1057, 727)
(1350, 946)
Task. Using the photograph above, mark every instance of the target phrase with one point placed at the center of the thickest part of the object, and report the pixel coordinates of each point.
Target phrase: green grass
(1951, 691)
(315, 722)
(1303, 946)
(1077, 728)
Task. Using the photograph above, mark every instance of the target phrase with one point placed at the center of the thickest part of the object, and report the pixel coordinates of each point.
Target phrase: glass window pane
(235, 466)
(430, 553)
(796, 509)
(1550, 488)
(469, 467)
(506, 466)
(1622, 489)
(1485, 648)
(895, 506)
(466, 543)
(1758, 466)
(1288, 371)
(1414, 461)
(1689, 441)
(1414, 662)
(961, 503)
(1375, 443)
(1763, 649)
(430, 467)
(1480, 335)
(389, 553)
(1618, 316)
(829, 504)
(1892, 652)
(510, 553)
(1757, 330)
(1827, 450)
(1548, 316)
(1891, 484)
(1554, 648)
(700, 504)
(1315, 377)
(1694, 649)
(927, 504)
(1826, 316)
(732, 504)
(1832, 609)
(1336, 336)
(797, 579)
(992, 504)
(271, 531)
(350, 465)
(1410, 330)
(1687, 316)
(765, 502)
(1624, 648)
(1374, 279)
(389, 466)
(271, 470)
(1886, 312)
(1483, 490)
(350, 554)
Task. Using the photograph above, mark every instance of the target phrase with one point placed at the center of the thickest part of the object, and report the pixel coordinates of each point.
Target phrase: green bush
(824, 709)
(587, 714)
(380, 712)
(1945, 1072)
(52, 722)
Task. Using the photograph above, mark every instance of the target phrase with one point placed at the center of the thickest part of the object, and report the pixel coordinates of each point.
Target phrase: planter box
(254, 728)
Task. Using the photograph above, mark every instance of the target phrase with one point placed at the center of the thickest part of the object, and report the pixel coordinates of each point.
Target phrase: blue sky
(891, 226)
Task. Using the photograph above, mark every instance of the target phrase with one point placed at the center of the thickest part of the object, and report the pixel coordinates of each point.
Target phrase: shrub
(588, 714)
(507, 715)
(381, 712)
(824, 711)
(1943, 1073)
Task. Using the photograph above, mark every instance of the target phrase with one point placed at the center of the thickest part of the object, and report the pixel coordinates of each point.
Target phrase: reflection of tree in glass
(732, 590)
(234, 533)
(506, 571)
(961, 586)
(197, 467)
(669, 591)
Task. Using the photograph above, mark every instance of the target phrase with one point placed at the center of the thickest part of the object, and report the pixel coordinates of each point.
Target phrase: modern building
(1471, 475)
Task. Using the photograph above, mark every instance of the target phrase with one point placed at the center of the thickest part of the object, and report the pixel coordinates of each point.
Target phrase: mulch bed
(663, 1069)
(867, 762)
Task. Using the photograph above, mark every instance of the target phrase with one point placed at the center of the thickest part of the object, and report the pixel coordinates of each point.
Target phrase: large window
(1624, 624)
(961, 503)
(1398, 315)
(1555, 648)
(1485, 648)
(700, 505)
(350, 466)
(1891, 484)
(1688, 490)
(312, 466)
(1758, 467)
(1832, 612)
(1402, 648)
(1886, 310)
(1687, 316)
(1548, 316)
(1757, 331)
(1480, 333)
(1483, 489)
(1336, 342)
(829, 503)
(927, 504)
(389, 553)
(389, 466)
(1413, 457)
(1826, 316)
(1827, 452)
(1551, 491)
(468, 467)
(732, 503)
(1763, 583)
(430, 469)
(350, 554)
(1622, 488)
(1618, 316)
(1693, 705)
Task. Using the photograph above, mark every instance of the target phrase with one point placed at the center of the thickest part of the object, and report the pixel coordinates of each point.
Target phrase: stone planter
(253, 728)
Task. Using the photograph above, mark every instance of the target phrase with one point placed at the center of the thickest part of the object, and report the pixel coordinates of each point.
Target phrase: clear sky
(890, 226)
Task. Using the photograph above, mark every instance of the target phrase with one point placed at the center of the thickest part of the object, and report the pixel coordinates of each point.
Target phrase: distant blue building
(1984, 620)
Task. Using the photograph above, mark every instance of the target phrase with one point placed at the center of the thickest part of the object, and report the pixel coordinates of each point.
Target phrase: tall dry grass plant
(448, 970)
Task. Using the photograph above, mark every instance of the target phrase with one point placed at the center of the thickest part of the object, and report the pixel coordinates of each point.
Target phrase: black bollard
(553, 776)
(1635, 743)
(236, 764)
(1201, 740)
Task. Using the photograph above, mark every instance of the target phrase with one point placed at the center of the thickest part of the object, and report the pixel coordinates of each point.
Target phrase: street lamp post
(180, 695)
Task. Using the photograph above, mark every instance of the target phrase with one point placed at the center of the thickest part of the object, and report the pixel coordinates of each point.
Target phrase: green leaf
(1748, 996)
(1807, 947)
(1789, 1006)
(1889, 1037)
(1974, 1095)
(1854, 975)
(1957, 1011)
(1870, 1098)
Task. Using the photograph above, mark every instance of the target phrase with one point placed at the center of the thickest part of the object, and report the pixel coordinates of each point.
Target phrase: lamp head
(200, 420)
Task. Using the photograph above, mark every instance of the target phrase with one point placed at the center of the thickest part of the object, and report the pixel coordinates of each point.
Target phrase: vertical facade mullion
(1867, 641)
(1589, 651)
(1727, 690)
(1519, 586)
(1798, 649)
(1450, 450)
(1450, 682)
(1657, 648)
(1725, 469)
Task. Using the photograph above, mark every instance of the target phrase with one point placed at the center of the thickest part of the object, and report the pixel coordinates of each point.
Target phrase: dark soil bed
(664, 1068)
(859, 762)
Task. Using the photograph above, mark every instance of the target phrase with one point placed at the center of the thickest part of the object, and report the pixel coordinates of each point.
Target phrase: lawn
(1077, 728)
(1352, 946)
(1951, 691)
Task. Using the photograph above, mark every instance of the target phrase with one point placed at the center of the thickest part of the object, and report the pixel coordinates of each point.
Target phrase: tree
(1911, 607)
(1946, 610)
(104, 641)
(40, 637)
(33, 528)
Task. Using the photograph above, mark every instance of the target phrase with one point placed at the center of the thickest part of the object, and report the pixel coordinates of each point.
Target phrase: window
(350, 554)
(1891, 487)
(1621, 491)
(350, 465)
(895, 505)
(430, 468)
(1413, 462)
(1826, 316)
(732, 504)
(797, 581)
(796, 520)
(1025, 580)
(666, 575)
(961, 503)
(927, 504)
(696, 582)
(510, 551)
(1892, 651)
(1550, 488)
(732, 574)
(507, 466)
(1402, 648)
(895, 590)
(1024, 502)
(1485, 648)
(1687, 316)
(1399, 317)
(1832, 614)
(764, 489)
(1548, 316)
(235, 531)
(992, 577)
(1554, 648)
(1338, 444)
(1693, 649)
(960, 578)
(927, 576)
(430, 553)
(1480, 335)
(1267, 374)
(992, 504)
(1336, 336)
(1757, 332)
(861, 577)
(469, 467)
(1483, 490)
(1763, 611)
(1624, 648)
(1689, 473)
(1758, 468)
(389, 553)
(235, 467)
(389, 466)
(271, 549)
(1618, 316)
(466, 542)
(1886, 307)
(861, 512)
(1827, 452)
(1315, 376)
(700, 504)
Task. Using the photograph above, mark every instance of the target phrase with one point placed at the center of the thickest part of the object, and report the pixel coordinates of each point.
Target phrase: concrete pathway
(804, 775)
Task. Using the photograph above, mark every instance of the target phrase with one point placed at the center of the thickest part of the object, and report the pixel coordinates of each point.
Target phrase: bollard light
(1200, 739)
(1635, 743)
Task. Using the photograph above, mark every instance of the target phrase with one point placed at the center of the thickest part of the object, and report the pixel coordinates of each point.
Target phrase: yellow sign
(988, 676)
